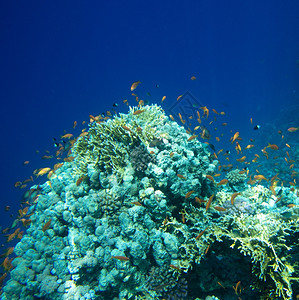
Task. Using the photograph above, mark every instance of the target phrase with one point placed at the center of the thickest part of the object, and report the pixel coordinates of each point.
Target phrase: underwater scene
(143, 206)
(149, 150)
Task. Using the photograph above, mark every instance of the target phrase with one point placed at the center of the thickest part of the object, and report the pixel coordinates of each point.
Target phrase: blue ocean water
(61, 62)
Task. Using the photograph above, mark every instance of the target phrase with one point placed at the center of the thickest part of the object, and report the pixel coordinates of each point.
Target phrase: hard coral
(140, 158)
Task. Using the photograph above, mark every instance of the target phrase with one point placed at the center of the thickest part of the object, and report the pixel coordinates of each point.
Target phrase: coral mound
(134, 228)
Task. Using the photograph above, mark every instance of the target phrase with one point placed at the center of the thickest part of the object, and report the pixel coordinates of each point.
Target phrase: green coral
(109, 142)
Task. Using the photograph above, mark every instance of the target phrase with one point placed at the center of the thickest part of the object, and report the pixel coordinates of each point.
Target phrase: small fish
(249, 146)
(224, 124)
(217, 139)
(171, 154)
(215, 111)
(256, 127)
(193, 78)
(210, 178)
(192, 138)
(260, 177)
(67, 136)
(219, 208)
(136, 203)
(175, 267)
(222, 182)
(47, 225)
(200, 234)
(288, 145)
(43, 171)
(74, 124)
(115, 104)
(233, 197)
(189, 194)
(47, 156)
(205, 111)
(236, 135)
(293, 129)
(138, 112)
(179, 97)
(122, 258)
(181, 176)
(26, 162)
(242, 159)
(163, 98)
(209, 202)
(134, 85)
(79, 180)
(272, 146)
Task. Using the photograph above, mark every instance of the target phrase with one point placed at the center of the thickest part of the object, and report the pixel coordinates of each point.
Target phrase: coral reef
(146, 218)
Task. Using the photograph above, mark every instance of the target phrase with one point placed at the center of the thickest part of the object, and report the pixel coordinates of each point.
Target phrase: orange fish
(272, 146)
(249, 146)
(163, 98)
(210, 178)
(122, 258)
(136, 203)
(179, 97)
(209, 202)
(236, 135)
(217, 139)
(293, 129)
(47, 225)
(180, 176)
(233, 197)
(224, 124)
(137, 112)
(260, 177)
(219, 208)
(242, 159)
(74, 124)
(67, 136)
(200, 234)
(79, 180)
(205, 111)
(192, 138)
(193, 78)
(215, 111)
(43, 171)
(189, 194)
(175, 267)
(222, 182)
(288, 145)
(26, 162)
(134, 85)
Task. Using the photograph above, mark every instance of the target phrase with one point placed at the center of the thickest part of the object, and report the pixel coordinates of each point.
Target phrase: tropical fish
(163, 98)
(219, 208)
(47, 225)
(209, 202)
(189, 194)
(43, 171)
(210, 177)
(272, 146)
(122, 258)
(260, 177)
(200, 234)
(67, 136)
(293, 129)
(138, 112)
(179, 97)
(222, 182)
(193, 78)
(236, 135)
(233, 197)
(192, 138)
(134, 85)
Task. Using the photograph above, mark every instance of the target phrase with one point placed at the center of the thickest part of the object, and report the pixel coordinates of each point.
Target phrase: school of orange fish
(63, 154)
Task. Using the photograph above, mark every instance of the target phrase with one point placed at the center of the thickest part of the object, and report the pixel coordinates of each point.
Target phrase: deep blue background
(63, 60)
